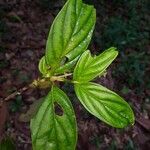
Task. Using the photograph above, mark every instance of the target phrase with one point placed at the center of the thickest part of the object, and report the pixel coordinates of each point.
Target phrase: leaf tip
(115, 50)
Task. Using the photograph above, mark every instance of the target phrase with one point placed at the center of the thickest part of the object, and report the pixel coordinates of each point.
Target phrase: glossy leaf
(105, 104)
(67, 67)
(70, 33)
(43, 67)
(89, 67)
(51, 131)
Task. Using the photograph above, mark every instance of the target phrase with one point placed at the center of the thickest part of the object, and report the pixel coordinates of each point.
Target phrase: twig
(11, 96)
(16, 93)
(40, 83)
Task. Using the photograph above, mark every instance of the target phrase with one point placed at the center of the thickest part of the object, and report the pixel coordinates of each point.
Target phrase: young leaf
(105, 104)
(67, 67)
(51, 131)
(43, 67)
(70, 33)
(89, 67)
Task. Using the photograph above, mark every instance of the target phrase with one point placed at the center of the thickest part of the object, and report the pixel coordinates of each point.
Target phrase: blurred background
(125, 24)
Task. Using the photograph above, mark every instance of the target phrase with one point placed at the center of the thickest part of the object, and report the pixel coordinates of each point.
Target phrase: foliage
(125, 24)
(54, 125)
(45, 137)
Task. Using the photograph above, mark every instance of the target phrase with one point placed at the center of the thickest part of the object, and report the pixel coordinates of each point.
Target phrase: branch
(11, 96)
(39, 83)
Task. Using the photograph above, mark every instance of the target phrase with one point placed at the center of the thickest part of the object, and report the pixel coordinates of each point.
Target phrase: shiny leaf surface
(70, 32)
(89, 67)
(67, 67)
(51, 131)
(43, 67)
(105, 104)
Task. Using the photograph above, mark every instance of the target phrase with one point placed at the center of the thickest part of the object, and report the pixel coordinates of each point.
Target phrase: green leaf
(105, 104)
(70, 33)
(43, 67)
(67, 67)
(89, 67)
(52, 131)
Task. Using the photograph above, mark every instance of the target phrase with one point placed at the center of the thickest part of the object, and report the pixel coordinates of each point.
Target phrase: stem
(70, 81)
(65, 75)
(41, 83)
(60, 78)
(11, 96)
(19, 92)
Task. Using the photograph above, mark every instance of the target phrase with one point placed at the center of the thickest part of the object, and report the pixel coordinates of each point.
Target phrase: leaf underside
(105, 104)
(51, 131)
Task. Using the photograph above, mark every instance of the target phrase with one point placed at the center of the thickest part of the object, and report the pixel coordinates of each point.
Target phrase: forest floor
(26, 26)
